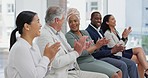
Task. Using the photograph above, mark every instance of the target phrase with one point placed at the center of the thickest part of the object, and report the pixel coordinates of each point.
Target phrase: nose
(40, 25)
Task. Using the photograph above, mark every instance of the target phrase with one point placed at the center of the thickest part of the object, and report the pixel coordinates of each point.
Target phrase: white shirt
(65, 57)
(25, 61)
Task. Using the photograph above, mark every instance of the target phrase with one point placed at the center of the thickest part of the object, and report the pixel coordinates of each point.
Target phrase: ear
(56, 20)
(26, 26)
(107, 23)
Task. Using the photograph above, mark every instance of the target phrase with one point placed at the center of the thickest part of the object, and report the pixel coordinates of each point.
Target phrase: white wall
(134, 14)
(38, 6)
(117, 9)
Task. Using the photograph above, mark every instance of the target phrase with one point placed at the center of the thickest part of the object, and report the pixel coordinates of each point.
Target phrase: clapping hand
(81, 44)
(101, 42)
(118, 48)
(126, 32)
(50, 51)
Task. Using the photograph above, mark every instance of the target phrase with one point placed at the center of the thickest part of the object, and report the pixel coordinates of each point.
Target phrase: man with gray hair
(64, 64)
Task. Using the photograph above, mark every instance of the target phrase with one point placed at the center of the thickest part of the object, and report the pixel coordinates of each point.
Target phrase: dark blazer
(104, 51)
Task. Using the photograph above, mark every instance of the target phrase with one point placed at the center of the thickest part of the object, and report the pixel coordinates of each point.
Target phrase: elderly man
(64, 64)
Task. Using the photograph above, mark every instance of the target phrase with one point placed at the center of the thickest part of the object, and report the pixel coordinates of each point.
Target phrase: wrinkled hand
(126, 32)
(101, 42)
(50, 51)
(118, 48)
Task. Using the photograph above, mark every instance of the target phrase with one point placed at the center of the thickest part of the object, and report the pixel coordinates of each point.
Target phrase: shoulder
(68, 34)
(85, 32)
(19, 48)
(107, 32)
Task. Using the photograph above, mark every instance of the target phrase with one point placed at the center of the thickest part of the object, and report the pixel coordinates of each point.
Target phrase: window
(10, 8)
(94, 3)
(94, 6)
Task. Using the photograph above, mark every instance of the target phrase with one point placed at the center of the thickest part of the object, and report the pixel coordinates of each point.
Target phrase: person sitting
(86, 61)
(25, 60)
(136, 54)
(64, 64)
(95, 33)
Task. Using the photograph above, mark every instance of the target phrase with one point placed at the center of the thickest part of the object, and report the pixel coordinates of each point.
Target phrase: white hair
(52, 13)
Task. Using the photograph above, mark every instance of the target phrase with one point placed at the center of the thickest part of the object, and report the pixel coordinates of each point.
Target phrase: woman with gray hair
(64, 64)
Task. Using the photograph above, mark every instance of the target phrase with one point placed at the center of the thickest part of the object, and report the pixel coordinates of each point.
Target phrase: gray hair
(52, 13)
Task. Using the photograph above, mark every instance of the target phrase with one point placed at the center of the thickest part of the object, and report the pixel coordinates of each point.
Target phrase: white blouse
(25, 61)
(113, 40)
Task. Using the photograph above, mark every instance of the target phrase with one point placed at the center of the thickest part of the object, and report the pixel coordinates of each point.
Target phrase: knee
(138, 49)
(122, 66)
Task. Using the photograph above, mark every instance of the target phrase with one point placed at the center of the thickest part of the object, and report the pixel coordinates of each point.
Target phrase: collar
(52, 29)
(26, 43)
(95, 27)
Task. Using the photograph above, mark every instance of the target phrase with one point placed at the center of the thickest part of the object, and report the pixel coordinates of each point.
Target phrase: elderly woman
(86, 60)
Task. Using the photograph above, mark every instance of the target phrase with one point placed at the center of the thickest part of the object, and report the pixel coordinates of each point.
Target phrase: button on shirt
(25, 61)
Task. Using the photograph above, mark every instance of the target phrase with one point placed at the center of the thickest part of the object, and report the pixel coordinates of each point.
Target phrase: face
(60, 23)
(74, 23)
(35, 26)
(96, 20)
(111, 22)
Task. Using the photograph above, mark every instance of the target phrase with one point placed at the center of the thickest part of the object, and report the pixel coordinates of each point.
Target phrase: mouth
(98, 24)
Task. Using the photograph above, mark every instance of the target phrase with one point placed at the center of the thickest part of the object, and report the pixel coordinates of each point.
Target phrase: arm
(102, 53)
(70, 39)
(26, 66)
(61, 59)
(113, 40)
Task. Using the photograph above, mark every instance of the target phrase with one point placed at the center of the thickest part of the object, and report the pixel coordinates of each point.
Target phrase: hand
(78, 47)
(50, 51)
(82, 40)
(118, 48)
(101, 42)
(126, 32)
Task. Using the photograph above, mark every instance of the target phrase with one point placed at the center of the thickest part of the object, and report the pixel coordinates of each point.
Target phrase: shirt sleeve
(60, 60)
(25, 64)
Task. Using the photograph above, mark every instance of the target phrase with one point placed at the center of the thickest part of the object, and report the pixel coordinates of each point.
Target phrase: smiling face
(74, 23)
(96, 20)
(111, 22)
(35, 26)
